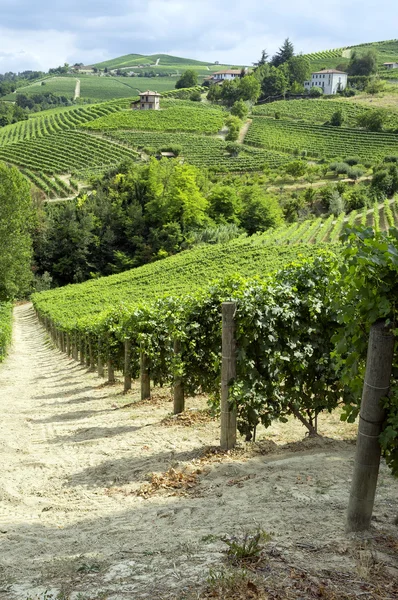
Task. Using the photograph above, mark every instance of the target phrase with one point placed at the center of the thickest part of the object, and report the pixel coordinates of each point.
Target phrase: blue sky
(43, 34)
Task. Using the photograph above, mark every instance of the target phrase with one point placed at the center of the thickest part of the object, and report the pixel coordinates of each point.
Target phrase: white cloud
(44, 34)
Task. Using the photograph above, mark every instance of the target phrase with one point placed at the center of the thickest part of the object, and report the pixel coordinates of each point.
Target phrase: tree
(263, 59)
(229, 92)
(337, 118)
(299, 69)
(16, 222)
(296, 168)
(214, 93)
(249, 88)
(234, 124)
(239, 109)
(375, 86)
(259, 212)
(187, 80)
(285, 53)
(372, 120)
(275, 83)
(224, 204)
(365, 64)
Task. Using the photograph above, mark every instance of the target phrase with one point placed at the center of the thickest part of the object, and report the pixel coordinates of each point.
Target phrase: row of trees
(140, 213)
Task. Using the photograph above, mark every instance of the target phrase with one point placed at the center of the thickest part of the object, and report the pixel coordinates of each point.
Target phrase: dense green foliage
(367, 292)
(5, 327)
(15, 225)
(140, 213)
(188, 79)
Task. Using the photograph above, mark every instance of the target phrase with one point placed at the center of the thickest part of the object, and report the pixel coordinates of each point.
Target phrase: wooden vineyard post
(82, 350)
(228, 373)
(100, 362)
(63, 344)
(144, 376)
(87, 351)
(127, 365)
(111, 370)
(75, 348)
(68, 348)
(367, 458)
(178, 391)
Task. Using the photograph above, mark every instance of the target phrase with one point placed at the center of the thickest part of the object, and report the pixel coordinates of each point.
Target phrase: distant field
(97, 88)
(134, 60)
(317, 141)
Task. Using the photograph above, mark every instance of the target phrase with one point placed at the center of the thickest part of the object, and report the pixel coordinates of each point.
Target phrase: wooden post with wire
(127, 365)
(178, 386)
(228, 374)
(367, 459)
(144, 375)
(100, 361)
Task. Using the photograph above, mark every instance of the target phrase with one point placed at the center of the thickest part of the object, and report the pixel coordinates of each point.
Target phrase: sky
(44, 34)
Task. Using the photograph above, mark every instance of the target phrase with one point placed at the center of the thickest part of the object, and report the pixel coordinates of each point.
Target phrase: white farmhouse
(227, 75)
(391, 65)
(329, 80)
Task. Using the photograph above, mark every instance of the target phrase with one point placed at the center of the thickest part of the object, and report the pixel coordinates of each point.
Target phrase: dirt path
(75, 517)
(77, 89)
(243, 131)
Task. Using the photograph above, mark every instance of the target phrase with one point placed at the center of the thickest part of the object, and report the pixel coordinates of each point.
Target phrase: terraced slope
(320, 141)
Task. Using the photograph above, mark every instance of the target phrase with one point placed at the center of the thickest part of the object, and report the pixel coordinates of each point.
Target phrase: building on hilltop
(391, 65)
(329, 80)
(148, 101)
(227, 75)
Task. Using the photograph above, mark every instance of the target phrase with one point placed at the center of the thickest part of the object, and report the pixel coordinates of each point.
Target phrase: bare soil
(104, 496)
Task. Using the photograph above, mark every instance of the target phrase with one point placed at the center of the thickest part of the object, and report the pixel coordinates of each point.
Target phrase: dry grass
(175, 482)
(189, 418)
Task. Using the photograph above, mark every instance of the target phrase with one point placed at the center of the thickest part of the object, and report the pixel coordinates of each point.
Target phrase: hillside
(131, 60)
(387, 51)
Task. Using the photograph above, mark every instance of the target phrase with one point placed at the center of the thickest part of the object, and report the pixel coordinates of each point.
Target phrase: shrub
(340, 168)
(354, 160)
(239, 109)
(337, 118)
(355, 173)
(336, 203)
(316, 92)
(196, 96)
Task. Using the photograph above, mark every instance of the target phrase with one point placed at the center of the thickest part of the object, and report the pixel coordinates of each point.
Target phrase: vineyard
(64, 152)
(203, 152)
(171, 118)
(321, 111)
(54, 121)
(195, 269)
(320, 141)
